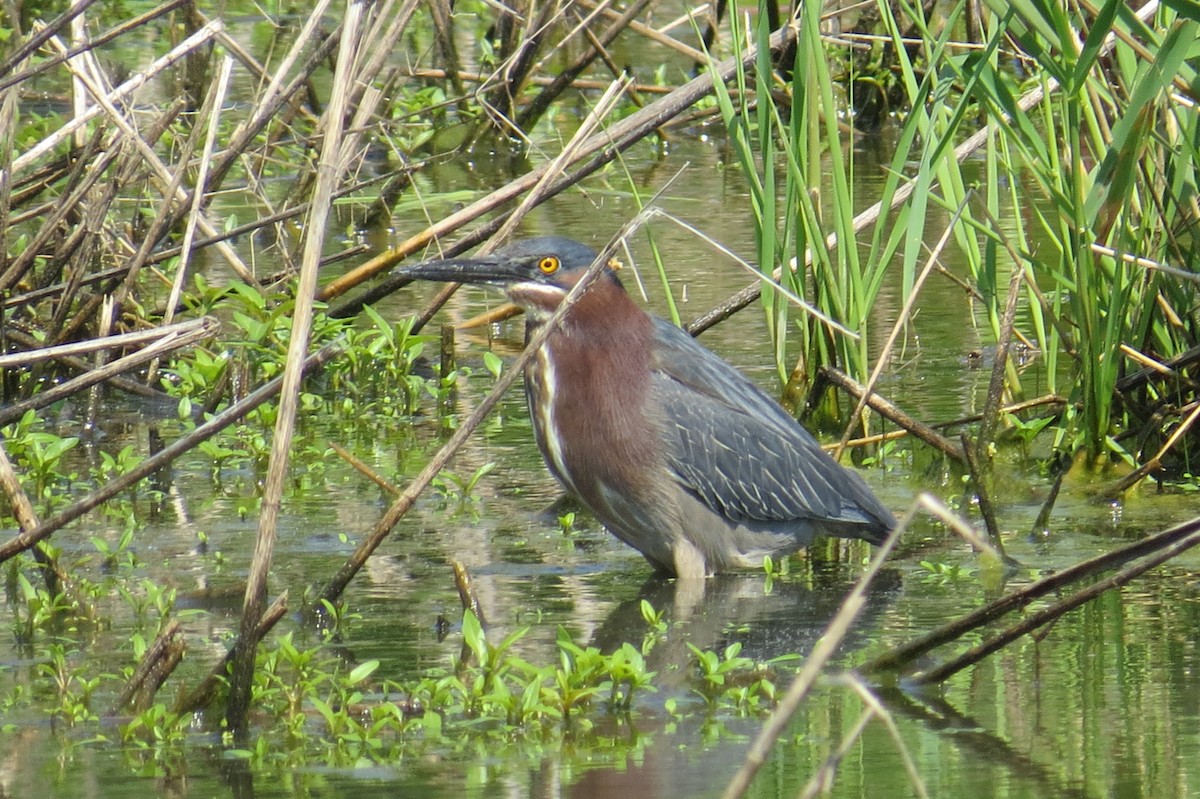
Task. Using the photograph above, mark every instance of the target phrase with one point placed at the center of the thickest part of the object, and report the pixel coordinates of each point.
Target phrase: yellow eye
(548, 265)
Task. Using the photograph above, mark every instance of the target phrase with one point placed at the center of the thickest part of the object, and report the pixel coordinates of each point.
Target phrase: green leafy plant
(456, 488)
(944, 574)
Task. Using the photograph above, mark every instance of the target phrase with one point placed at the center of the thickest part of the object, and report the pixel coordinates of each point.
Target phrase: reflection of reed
(973, 735)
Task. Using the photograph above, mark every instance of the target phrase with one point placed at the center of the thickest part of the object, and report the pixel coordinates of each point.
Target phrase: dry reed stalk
(329, 171)
(982, 484)
(79, 365)
(441, 13)
(536, 195)
(8, 126)
(382, 44)
(111, 303)
(160, 170)
(84, 175)
(14, 76)
(466, 591)
(814, 665)
(277, 94)
(517, 59)
(532, 112)
(169, 212)
(980, 460)
(379, 42)
(119, 94)
(902, 320)
(215, 97)
(15, 360)
(364, 469)
(823, 778)
(1155, 463)
(434, 73)
(91, 239)
(656, 36)
(39, 37)
(179, 336)
(892, 435)
(245, 229)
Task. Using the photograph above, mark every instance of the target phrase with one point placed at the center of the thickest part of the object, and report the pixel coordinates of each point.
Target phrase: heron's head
(535, 273)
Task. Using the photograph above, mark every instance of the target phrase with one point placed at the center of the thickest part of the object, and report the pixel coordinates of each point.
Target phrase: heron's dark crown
(546, 261)
(552, 260)
(535, 273)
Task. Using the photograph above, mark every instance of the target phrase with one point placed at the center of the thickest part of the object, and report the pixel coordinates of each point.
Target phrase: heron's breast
(589, 404)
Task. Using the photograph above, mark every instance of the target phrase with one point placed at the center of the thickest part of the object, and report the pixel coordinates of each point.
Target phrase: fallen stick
(890, 411)
(79, 365)
(1033, 621)
(29, 357)
(891, 435)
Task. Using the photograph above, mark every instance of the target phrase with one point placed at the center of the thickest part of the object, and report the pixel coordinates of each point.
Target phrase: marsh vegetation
(269, 530)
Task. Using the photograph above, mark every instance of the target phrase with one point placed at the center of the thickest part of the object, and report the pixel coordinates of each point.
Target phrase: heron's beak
(487, 271)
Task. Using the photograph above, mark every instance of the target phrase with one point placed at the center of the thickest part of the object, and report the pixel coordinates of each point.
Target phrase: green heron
(678, 454)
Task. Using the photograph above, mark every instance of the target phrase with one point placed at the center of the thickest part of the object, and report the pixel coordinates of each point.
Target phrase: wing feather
(741, 452)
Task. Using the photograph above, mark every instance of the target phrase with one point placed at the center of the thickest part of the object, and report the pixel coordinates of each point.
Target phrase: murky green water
(1106, 704)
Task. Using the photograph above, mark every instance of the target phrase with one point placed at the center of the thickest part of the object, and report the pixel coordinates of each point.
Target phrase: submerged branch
(159, 660)
(29, 537)
(904, 656)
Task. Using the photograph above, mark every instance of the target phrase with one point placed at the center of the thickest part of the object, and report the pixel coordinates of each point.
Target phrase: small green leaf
(493, 363)
(362, 671)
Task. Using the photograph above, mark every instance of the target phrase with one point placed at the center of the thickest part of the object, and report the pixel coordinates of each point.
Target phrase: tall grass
(1105, 156)
(798, 223)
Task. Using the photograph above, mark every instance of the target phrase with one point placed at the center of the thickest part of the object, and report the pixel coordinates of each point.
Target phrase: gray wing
(742, 453)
